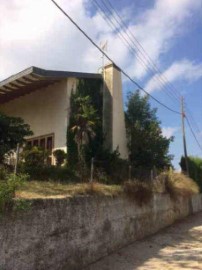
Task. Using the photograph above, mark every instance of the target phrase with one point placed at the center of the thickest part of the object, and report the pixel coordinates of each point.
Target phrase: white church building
(42, 98)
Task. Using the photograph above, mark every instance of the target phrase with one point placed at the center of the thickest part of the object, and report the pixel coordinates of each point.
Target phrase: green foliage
(34, 164)
(60, 156)
(13, 130)
(34, 157)
(146, 144)
(85, 119)
(92, 88)
(110, 168)
(8, 188)
(51, 173)
(84, 134)
(72, 150)
(195, 169)
(3, 172)
(22, 205)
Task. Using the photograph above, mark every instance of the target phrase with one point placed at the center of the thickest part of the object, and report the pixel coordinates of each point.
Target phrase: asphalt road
(176, 247)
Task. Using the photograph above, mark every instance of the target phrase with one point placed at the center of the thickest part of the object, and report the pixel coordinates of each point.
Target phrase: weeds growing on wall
(8, 187)
(138, 191)
(176, 184)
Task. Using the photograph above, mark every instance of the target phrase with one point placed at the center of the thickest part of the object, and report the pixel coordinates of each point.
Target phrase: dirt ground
(176, 247)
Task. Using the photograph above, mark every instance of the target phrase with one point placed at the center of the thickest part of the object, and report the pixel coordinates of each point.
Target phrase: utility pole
(184, 137)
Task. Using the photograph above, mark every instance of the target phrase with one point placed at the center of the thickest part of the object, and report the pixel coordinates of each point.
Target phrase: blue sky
(35, 33)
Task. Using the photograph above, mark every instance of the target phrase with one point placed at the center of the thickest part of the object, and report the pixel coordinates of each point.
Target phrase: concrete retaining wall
(71, 233)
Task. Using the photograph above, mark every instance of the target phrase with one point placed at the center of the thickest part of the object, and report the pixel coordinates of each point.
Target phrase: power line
(192, 119)
(133, 48)
(193, 133)
(109, 7)
(192, 124)
(123, 72)
(140, 48)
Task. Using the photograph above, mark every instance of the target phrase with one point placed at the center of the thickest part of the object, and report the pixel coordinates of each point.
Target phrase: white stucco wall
(45, 110)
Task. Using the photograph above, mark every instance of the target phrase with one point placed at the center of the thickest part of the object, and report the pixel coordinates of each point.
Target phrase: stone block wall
(71, 233)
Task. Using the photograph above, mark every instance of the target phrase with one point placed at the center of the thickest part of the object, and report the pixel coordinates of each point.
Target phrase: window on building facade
(46, 142)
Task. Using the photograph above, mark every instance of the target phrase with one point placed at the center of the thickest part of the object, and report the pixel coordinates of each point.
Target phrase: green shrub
(34, 157)
(195, 169)
(13, 131)
(93, 89)
(110, 167)
(60, 156)
(3, 172)
(8, 188)
(21, 205)
(52, 173)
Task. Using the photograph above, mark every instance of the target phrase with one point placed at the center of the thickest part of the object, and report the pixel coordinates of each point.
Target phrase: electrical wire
(139, 47)
(123, 72)
(108, 7)
(194, 135)
(133, 48)
(192, 119)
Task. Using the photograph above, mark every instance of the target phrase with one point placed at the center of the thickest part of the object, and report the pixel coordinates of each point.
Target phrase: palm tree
(85, 121)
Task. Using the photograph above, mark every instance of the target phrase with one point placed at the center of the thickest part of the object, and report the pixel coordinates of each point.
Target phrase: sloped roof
(34, 78)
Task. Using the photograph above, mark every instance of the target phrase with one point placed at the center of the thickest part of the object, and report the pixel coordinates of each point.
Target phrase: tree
(93, 89)
(195, 169)
(83, 129)
(34, 157)
(13, 130)
(60, 156)
(146, 144)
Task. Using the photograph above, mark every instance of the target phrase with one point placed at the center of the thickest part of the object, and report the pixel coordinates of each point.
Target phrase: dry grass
(140, 192)
(176, 184)
(44, 189)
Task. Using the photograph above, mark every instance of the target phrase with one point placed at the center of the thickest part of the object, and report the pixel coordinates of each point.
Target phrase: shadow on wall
(176, 247)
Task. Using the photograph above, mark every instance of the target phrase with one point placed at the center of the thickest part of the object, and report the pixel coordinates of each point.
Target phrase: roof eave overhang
(34, 78)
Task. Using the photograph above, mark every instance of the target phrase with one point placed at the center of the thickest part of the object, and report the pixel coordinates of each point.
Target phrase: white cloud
(182, 70)
(169, 131)
(36, 33)
(157, 28)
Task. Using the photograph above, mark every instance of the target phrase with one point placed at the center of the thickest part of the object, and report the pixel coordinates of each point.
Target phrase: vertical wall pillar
(113, 113)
